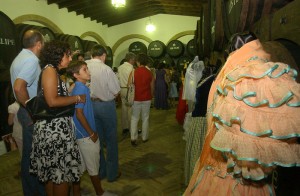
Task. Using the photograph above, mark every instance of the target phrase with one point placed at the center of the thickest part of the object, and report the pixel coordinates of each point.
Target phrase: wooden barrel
(206, 32)
(191, 48)
(46, 32)
(8, 44)
(240, 15)
(175, 48)
(285, 23)
(168, 60)
(182, 61)
(156, 49)
(262, 28)
(5, 99)
(284, 51)
(88, 45)
(198, 38)
(74, 41)
(216, 26)
(235, 16)
(109, 56)
(137, 47)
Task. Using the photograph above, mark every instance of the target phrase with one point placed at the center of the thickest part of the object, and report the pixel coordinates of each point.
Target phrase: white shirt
(124, 71)
(17, 128)
(104, 82)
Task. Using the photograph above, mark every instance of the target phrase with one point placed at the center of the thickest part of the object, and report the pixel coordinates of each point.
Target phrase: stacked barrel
(270, 20)
(174, 53)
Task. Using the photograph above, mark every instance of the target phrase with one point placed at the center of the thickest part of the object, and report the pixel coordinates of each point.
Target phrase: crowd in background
(201, 93)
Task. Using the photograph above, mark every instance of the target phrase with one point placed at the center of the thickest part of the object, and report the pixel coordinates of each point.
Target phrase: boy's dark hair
(74, 67)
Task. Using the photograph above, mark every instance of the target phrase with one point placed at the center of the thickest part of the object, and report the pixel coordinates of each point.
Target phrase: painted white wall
(69, 23)
(166, 25)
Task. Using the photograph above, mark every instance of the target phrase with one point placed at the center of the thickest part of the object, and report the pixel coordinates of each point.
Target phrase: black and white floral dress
(55, 154)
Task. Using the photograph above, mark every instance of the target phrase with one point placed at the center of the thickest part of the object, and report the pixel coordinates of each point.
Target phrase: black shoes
(139, 131)
(133, 143)
(144, 141)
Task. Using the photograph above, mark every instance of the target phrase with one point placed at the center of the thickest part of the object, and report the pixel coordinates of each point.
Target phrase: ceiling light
(150, 26)
(118, 3)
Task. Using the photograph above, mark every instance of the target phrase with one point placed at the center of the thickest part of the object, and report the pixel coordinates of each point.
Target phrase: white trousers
(143, 108)
(126, 111)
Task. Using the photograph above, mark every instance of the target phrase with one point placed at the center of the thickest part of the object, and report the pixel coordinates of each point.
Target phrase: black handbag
(39, 109)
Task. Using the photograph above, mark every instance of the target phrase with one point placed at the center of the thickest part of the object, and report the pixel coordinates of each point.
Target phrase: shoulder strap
(39, 89)
(132, 79)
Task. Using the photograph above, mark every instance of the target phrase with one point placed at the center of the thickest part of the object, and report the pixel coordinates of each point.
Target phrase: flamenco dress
(253, 126)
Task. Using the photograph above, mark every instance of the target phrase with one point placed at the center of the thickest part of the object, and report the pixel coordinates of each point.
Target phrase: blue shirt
(26, 66)
(88, 112)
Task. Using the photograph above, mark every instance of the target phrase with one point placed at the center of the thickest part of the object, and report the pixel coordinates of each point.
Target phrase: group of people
(160, 83)
(167, 83)
(57, 151)
(237, 155)
(143, 80)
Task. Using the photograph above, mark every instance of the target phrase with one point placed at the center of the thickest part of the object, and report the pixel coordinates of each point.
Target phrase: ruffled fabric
(257, 106)
(276, 123)
(226, 185)
(253, 123)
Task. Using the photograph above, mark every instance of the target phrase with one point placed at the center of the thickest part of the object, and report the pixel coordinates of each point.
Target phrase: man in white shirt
(104, 89)
(124, 71)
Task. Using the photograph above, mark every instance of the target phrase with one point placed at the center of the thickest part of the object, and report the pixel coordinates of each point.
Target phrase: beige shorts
(90, 155)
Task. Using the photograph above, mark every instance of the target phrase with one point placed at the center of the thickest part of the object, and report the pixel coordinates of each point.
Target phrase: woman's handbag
(129, 99)
(39, 109)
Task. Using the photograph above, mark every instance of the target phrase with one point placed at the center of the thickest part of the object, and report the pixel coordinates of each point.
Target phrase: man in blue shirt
(24, 74)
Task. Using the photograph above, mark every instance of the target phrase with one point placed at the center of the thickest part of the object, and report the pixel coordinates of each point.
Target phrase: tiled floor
(151, 168)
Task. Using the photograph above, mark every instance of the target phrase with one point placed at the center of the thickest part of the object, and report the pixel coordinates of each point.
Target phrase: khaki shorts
(90, 155)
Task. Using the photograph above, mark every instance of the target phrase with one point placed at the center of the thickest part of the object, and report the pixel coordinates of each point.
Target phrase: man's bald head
(31, 37)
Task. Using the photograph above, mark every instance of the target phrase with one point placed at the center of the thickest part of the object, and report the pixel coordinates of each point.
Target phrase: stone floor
(151, 168)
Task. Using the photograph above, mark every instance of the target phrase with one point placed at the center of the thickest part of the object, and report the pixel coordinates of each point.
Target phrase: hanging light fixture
(150, 27)
(118, 3)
